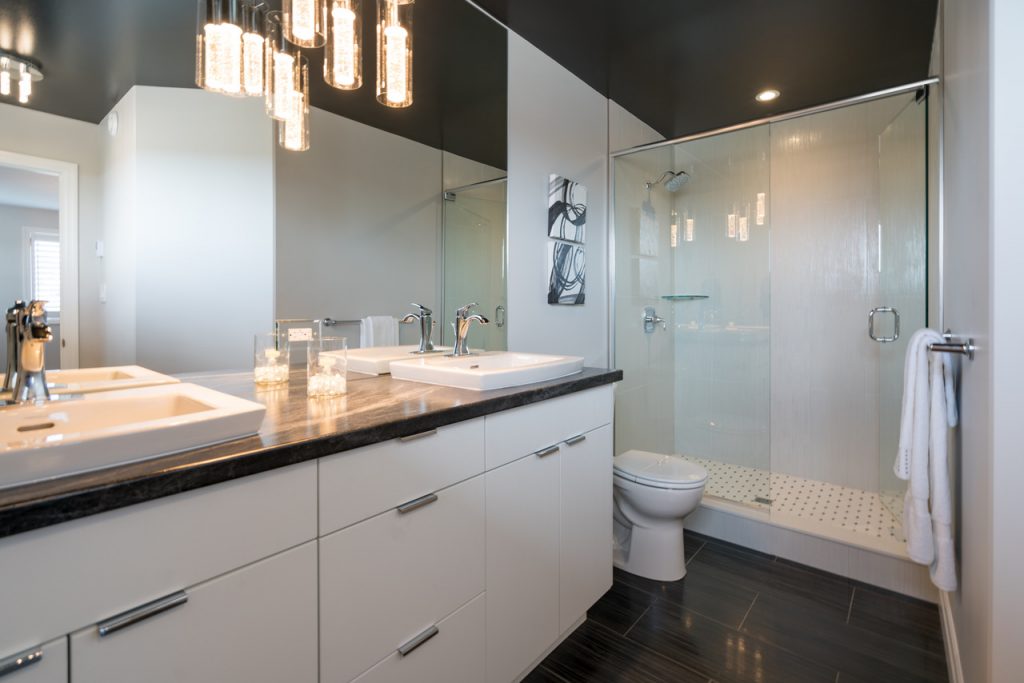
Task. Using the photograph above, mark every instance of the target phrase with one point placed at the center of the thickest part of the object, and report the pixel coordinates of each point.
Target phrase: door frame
(67, 175)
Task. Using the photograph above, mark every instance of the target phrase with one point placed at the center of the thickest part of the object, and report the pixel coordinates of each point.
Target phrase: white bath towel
(929, 410)
(378, 330)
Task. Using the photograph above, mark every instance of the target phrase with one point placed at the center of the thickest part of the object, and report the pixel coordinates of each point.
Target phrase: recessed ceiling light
(767, 95)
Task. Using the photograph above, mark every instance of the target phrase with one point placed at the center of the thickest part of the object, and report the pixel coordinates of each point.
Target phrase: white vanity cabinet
(255, 624)
(549, 525)
(46, 663)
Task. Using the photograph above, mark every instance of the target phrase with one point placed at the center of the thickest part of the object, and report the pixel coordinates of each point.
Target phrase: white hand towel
(943, 568)
(378, 330)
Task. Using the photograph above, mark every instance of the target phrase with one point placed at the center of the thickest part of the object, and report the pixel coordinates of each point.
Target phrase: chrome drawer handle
(550, 450)
(9, 665)
(140, 613)
(576, 439)
(406, 649)
(413, 437)
(417, 504)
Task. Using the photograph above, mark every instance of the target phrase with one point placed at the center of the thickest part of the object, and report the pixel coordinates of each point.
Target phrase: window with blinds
(44, 269)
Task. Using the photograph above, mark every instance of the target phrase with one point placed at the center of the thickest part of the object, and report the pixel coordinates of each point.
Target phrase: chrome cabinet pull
(406, 649)
(417, 503)
(871, 324)
(413, 437)
(140, 613)
(17, 662)
(579, 438)
(550, 450)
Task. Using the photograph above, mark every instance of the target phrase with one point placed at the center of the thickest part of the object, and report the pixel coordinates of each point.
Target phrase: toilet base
(653, 553)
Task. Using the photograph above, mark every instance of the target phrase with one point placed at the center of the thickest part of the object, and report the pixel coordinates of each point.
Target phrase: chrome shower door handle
(652, 320)
(896, 324)
(499, 316)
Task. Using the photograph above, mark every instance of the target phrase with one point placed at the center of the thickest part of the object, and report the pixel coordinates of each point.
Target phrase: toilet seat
(658, 470)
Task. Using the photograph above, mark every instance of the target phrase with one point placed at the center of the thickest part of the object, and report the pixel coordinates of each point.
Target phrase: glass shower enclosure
(762, 307)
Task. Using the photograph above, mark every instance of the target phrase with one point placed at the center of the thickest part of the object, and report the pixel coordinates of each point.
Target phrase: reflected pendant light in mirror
(253, 48)
(281, 64)
(304, 22)
(219, 46)
(394, 52)
(21, 71)
(293, 131)
(343, 54)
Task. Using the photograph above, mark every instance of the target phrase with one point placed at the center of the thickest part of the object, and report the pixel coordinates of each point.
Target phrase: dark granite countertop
(295, 429)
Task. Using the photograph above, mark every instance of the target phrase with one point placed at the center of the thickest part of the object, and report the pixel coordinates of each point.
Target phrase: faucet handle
(464, 311)
(423, 309)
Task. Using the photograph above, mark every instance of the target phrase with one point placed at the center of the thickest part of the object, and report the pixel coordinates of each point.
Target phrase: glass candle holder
(270, 358)
(327, 365)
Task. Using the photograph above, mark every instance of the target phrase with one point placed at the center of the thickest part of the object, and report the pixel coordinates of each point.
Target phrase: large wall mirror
(166, 226)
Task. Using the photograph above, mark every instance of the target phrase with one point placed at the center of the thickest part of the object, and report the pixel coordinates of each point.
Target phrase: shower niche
(764, 249)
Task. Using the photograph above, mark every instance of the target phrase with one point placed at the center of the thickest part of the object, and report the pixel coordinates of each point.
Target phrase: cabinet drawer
(454, 655)
(63, 577)
(28, 666)
(255, 624)
(521, 431)
(359, 484)
(386, 579)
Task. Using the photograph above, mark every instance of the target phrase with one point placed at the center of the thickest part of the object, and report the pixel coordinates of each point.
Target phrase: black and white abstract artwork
(567, 209)
(567, 284)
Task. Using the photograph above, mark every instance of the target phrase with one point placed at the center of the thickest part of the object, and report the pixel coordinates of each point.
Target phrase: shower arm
(664, 175)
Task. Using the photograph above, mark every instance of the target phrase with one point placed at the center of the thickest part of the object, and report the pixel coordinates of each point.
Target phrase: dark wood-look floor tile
(818, 631)
(692, 543)
(761, 573)
(621, 606)
(543, 675)
(912, 622)
(720, 652)
(594, 653)
(701, 591)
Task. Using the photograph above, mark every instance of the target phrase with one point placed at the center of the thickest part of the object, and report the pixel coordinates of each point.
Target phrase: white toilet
(653, 493)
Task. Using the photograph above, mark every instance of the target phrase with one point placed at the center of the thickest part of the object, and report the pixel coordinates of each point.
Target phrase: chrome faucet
(462, 322)
(33, 334)
(426, 321)
(14, 314)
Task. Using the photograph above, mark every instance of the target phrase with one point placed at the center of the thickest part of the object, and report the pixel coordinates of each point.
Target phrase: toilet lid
(657, 469)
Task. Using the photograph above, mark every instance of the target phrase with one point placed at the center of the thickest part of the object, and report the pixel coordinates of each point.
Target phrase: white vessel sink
(484, 371)
(376, 360)
(115, 427)
(86, 380)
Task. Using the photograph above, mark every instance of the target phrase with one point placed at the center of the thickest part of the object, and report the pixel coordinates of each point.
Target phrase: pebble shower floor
(875, 515)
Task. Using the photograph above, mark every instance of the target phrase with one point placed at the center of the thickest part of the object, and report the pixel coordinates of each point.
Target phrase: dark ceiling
(94, 52)
(684, 66)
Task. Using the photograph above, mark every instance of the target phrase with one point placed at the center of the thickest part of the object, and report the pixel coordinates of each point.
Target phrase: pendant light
(253, 48)
(343, 54)
(293, 130)
(281, 68)
(219, 46)
(394, 52)
(304, 22)
(21, 71)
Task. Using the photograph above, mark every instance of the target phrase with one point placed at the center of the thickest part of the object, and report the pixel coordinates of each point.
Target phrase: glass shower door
(902, 264)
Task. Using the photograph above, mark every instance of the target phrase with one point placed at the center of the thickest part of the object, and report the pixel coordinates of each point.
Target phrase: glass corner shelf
(684, 297)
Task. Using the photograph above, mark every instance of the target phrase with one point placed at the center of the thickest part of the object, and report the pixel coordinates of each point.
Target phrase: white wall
(1007, 22)
(25, 131)
(967, 292)
(358, 224)
(204, 229)
(625, 130)
(556, 124)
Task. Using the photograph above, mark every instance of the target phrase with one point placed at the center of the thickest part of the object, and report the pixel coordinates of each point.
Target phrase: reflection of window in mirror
(42, 268)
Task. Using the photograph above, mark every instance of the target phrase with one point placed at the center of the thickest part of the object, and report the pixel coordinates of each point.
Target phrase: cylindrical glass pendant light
(219, 46)
(293, 131)
(253, 48)
(343, 54)
(281, 61)
(394, 52)
(305, 22)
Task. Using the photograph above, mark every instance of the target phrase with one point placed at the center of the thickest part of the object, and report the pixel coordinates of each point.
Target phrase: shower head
(672, 180)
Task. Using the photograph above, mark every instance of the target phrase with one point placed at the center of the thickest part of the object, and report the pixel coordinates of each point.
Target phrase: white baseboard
(949, 639)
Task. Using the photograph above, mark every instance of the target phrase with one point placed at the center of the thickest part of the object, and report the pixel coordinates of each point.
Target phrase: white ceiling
(28, 189)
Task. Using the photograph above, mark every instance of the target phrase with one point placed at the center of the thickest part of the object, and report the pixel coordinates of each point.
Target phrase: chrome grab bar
(871, 324)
